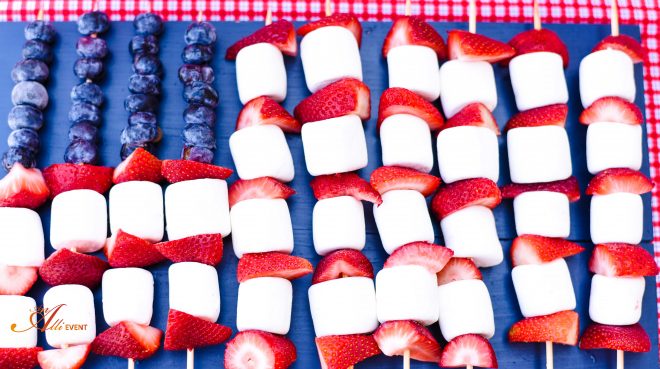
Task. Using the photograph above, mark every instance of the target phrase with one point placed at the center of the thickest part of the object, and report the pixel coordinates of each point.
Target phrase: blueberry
(87, 92)
(198, 135)
(40, 30)
(143, 45)
(91, 47)
(143, 117)
(199, 114)
(197, 54)
(30, 70)
(148, 24)
(83, 131)
(201, 33)
(35, 49)
(200, 93)
(24, 137)
(144, 84)
(18, 155)
(196, 73)
(140, 102)
(198, 154)
(139, 134)
(93, 22)
(88, 68)
(30, 93)
(25, 116)
(147, 64)
(81, 152)
(85, 112)
(127, 149)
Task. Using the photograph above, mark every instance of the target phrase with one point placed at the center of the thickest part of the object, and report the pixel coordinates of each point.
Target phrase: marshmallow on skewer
(465, 82)
(338, 223)
(76, 304)
(406, 142)
(606, 73)
(128, 295)
(261, 151)
(407, 292)
(617, 217)
(468, 152)
(261, 225)
(543, 213)
(264, 304)
(403, 217)
(465, 307)
(458, 230)
(260, 71)
(79, 220)
(194, 289)
(415, 68)
(21, 237)
(613, 145)
(17, 310)
(616, 300)
(136, 207)
(538, 80)
(543, 289)
(539, 154)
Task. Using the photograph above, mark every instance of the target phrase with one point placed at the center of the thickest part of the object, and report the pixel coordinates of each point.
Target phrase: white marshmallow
(613, 145)
(542, 213)
(21, 237)
(76, 313)
(617, 217)
(197, 207)
(136, 207)
(335, 145)
(261, 151)
(17, 310)
(194, 289)
(260, 72)
(264, 304)
(128, 295)
(79, 219)
(261, 225)
(415, 68)
(329, 54)
(406, 142)
(616, 300)
(407, 292)
(465, 308)
(606, 73)
(543, 289)
(466, 82)
(403, 217)
(471, 233)
(539, 154)
(468, 152)
(538, 80)
(338, 223)
(343, 306)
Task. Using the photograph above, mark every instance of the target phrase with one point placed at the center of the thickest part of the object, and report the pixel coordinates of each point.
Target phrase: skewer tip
(131, 364)
(408, 10)
(619, 359)
(200, 15)
(406, 359)
(269, 16)
(40, 14)
(614, 18)
(190, 359)
(549, 356)
(328, 12)
(472, 16)
(537, 16)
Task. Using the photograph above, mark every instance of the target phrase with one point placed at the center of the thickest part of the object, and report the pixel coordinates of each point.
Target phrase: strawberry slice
(462, 194)
(141, 165)
(468, 46)
(397, 336)
(551, 115)
(66, 177)
(272, 264)
(124, 250)
(341, 352)
(340, 98)
(619, 180)
(414, 31)
(68, 358)
(19, 358)
(568, 187)
(23, 188)
(475, 114)
(17, 280)
(631, 338)
(562, 327)
(259, 350)
(624, 43)
(185, 331)
(128, 340)
(69, 267)
(264, 110)
(612, 109)
(397, 100)
(186, 170)
(432, 257)
(342, 263)
(533, 41)
(622, 260)
(258, 188)
(344, 184)
(533, 249)
(203, 248)
(347, 21)
(458, 269)
(390, 178)
(468, 349)
(279, 34)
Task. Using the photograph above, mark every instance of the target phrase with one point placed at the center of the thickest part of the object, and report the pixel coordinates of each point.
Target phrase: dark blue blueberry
(35, 49)
(19, 155)
(127, 149)
(200, 93)
(91, 47)
(201, 33)
(144, 84)
(83, 131)
(143, 45)
(148, 24)
(93, 22)
(85, 112)
(40, 30)
(196, 73)
(25, 116)
(88, 68)
(81, 152)
(30, 70)
(140, 102)
(147, 64)
(198, 154)
(25, 137)
(199, 114)
(198, 135)
(197, 54)
(143, 117)
(87, 92)
(138, 134)
(30, 93)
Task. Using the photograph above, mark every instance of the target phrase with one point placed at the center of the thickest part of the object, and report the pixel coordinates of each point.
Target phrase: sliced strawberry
(551, 115)
(397, 100)
(397, 336)
(414, 31)
(258, 188)
(66, 177)
(622, 260)
(619, 180)
(272, 264)
(432, 257)
(342, 263)
(128, 340)
(67, 358)
(390, 178)
(344, 184)
(624, 43)
(340, 352)
(347, 21)
(141, 165)
(631, 338)
(458, 269)
(259, 350)
(468, 349)
(203, 248)
(344, 97)
(17, 280)
(533, 249)
(280, 34)
(185, 170)
(264, 110)
(462, 194)
(124, 250)
(568, 187)
(612, 109)
(468, 46)
(69, 267)
(185, 331)
(23, 188)
(562, 327)
(19, 358)
(533, 41)
(475, 114)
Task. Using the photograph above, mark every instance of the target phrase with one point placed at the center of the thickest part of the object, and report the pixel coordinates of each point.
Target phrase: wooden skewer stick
(328, 12)
(131, 364)
(407, 10)
(537, 16)
(269, 17)
(190, 359)
(614, 18)
(549, 357)
(619, 359)
(406, 359)
(472, 19)
(200, 15)
(469, 367)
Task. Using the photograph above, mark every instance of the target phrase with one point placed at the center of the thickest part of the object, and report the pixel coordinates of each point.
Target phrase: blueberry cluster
(29, 95)
(87, 97)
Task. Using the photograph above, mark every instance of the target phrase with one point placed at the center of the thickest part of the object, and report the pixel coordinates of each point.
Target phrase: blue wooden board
(579, 38)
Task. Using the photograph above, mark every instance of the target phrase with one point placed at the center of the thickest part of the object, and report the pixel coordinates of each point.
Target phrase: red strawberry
(397, 100)
(468, 46)
(19, 358)
(631, 338)
(619, 180)
(342, 263)
(475, 114)
(432, 257)
(185, 170)
(185, 331)
(391, 178)
(23, 188)
(124, 250)
(272, 264)
(258, 188)
(69, 267)
(539, 40)
(533, 249)
(414, 31)
(458, 269)
(612, 109)
(203, 248)
(623, 43)
(141, 165)
(68, 358)
(259, 350)
(344, 97)
(128, 340)
(622, 260)
(562, 327)
(17, 280)
(551, 115)
(568, 187)
(468, 349)
(341, 352)
(462, 194)
(397, 336)
(347, 21)
(280, 34)
(66, 177)
(344, 184)
(264, 110)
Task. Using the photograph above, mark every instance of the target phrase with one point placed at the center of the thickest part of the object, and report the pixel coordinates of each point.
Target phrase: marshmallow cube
(613, 145)
(335, 145)
(21, 237)
(538, 80)
(338, 223)
(406, 142)
(403, 217)
(343, 306)
(261, 151)
(128, 295)
(606, 73)
(471, 233)
(542, 213)
(466, 82)
(407, 292)
(79, 220)
(264, 304)
(136, 207)
(261, 225)
(17, 310)
(539, 154)
(617, 217)
(329, 54)
(194, 289)
(465, 308)
(76, 310)
(197, 207)
(260, 72)
(415, 68)
(468, 152)
(543, 289)
(616, 300)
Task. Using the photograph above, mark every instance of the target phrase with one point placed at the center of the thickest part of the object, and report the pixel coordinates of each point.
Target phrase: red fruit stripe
(562, 327)
(631, 338)
(568, 187)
